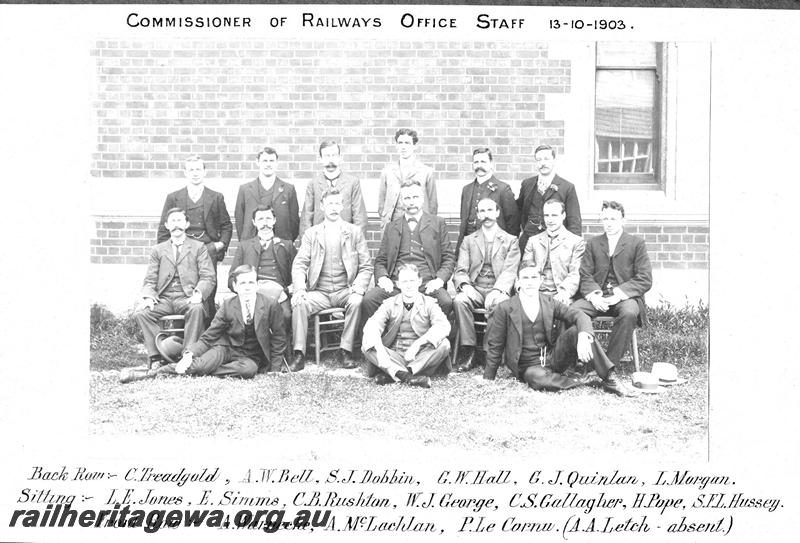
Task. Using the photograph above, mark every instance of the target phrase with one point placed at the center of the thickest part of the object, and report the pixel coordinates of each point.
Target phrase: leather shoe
(344, 360)
(383, 379)
(468, 362)
(613, 385)
(129, 375)
(403, 375)
(297, 362)
(422, 381)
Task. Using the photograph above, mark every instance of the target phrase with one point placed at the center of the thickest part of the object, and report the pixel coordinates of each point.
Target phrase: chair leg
(635, 350)
(456, 343)
(317, 339)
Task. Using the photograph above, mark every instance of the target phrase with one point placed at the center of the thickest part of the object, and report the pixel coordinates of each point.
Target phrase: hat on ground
(667, 374)
(169, 347)
(646, 382)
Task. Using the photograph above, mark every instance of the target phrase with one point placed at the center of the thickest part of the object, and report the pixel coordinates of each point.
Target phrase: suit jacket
(505, 260)
(566, 253)
(227, 328)
(389, 191)
(355, 255)
(631, 266)
(194, 268)
(284, 205)
(505, 332)
(503, 195)
(427, 320)
(435, 244)
(216, 221)
(249, 252)
(353, 209)
(560, 189)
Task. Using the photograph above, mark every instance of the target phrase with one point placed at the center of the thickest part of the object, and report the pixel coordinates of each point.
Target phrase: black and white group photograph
(482, 245)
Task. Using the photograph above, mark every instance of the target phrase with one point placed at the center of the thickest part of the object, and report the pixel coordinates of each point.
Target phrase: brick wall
(128, 241)
(158, 100)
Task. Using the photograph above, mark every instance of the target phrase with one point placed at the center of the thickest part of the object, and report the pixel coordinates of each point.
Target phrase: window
(628, 90)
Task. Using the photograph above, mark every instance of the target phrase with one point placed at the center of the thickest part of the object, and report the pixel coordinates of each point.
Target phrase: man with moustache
(485, 274)
(407, 168)
(486, 185)
(615, 274)
(525, 333)
(536, 190)
(208, 217)
(406, 338)
(247, 334)
(271, 257)
(332, 269)
(180, 276)
(415, 238)
(332, 177)
(557, 254)
(270, 191)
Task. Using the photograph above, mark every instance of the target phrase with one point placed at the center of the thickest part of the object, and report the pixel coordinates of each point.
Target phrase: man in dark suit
(268, 190)
(526, 333)
(416, 238)
(247, 334)
(537, 190)
(615, 274)
(180, 276)
(271, 257)
(208, 217)
(486, 185)
(332, 178)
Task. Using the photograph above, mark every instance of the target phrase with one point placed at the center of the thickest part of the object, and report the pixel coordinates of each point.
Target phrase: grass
(460, 411)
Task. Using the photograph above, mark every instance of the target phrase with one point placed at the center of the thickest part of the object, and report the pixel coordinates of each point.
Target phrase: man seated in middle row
(485, 274)
(406, 338)
(557, 254)
(332, 269)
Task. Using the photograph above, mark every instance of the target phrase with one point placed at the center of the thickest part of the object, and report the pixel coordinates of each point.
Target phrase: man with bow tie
(415, 238)
(208, 217)
(485, 275)
(246, 334)
(406, 338)
(332, 178)
(271, 257)
(332, 269)
(486, 185)
(536, 190)
(557, 253)
(615, 274)
(180, 276)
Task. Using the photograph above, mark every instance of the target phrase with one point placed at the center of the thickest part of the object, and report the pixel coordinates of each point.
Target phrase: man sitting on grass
(246, 334)
(406, 338)
(525, 329)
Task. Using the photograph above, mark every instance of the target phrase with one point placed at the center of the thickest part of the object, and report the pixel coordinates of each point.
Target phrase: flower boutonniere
(492, 186)
(554, 187)
(346, 235)
(276, 239)
(280, 189)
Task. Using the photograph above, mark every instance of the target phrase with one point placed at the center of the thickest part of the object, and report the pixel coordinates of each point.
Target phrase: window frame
(655, 181)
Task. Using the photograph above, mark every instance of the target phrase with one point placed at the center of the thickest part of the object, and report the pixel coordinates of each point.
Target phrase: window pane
(629, 55)
(624, 113)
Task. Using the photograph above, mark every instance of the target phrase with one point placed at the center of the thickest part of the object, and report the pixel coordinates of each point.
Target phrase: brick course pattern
(157, 101)
(683, 247)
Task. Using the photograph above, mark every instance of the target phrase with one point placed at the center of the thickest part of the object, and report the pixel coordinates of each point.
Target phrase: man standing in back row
(332, 178)
(537, 190)
(267, 190)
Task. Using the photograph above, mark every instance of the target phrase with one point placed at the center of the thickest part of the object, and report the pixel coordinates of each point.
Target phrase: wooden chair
(328, 328)
(634, 346)
(480, 329)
